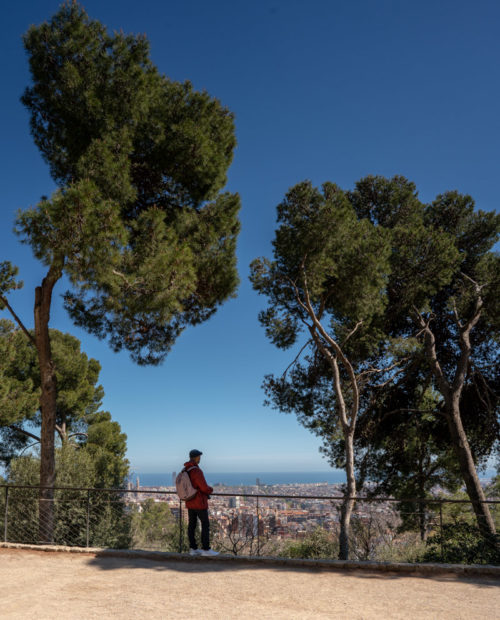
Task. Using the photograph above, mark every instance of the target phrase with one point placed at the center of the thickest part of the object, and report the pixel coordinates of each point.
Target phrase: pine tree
(138, 225)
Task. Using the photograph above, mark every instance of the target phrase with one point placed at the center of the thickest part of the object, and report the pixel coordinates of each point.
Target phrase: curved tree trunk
(451, 392)
(43, 296)
(348, 503)
(473, 486)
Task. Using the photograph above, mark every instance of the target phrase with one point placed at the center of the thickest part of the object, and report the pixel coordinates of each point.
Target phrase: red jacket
(200, 500)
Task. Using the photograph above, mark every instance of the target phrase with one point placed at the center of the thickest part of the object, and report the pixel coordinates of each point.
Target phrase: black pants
(202, 515)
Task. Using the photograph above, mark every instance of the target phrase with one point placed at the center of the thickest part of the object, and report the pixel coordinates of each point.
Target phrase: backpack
(185, 490)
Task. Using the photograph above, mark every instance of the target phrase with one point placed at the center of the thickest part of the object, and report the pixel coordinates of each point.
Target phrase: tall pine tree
(139, 225)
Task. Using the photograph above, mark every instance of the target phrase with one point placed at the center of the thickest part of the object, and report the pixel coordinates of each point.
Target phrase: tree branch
(296, 358)
(27, 447)
(464, 342)
(75, 434)
(409, 410)
(353, 331)
(123, 277)
(430, 345)
(381, 385)
(18, 320)
(372, 370)
(336, 377)
(477, 286)
(455, 314)
(335, 346)
(22, 431)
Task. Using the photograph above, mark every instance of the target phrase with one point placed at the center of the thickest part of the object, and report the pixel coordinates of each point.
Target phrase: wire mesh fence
(300, 526)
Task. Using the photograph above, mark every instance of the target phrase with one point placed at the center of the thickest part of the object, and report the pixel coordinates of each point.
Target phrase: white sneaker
(195, 552)
(209, 552)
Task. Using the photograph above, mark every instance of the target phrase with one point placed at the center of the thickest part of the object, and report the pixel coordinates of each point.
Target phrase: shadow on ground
(215, 565)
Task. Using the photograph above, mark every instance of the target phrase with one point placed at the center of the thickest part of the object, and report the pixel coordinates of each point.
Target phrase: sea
(234, 479)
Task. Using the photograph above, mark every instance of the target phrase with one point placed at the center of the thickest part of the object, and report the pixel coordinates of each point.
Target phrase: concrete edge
(265, 561)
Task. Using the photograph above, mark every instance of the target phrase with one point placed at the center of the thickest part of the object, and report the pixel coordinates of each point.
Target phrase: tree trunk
(348, 503)
(474, 489)
(43, 295)
(451, 394)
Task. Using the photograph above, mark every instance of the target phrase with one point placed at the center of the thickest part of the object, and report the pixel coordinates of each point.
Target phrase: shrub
(315, 545)
(461, 543)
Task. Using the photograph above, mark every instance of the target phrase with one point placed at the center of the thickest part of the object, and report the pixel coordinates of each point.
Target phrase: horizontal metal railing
(86, 517)
(154, 491)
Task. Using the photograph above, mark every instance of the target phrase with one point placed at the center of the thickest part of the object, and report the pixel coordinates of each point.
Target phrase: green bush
(318, 544)
(154, 527)
(461, 543)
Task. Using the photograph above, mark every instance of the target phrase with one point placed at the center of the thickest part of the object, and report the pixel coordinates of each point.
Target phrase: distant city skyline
(326, 91)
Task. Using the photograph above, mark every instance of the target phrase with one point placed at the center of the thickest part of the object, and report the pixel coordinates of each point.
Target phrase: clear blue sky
(322, 90)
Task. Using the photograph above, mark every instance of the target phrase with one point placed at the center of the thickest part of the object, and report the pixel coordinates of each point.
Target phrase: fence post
(258, 527)
(180, 526)
(88, 517)
(441, 528)
(5, 516)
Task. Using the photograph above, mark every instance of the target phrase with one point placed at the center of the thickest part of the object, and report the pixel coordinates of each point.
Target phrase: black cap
(194, 453)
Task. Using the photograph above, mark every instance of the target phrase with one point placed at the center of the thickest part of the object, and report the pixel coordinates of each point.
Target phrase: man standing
(198, 506)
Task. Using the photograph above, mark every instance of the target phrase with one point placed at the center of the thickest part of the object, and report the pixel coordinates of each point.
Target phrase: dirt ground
(62, 585)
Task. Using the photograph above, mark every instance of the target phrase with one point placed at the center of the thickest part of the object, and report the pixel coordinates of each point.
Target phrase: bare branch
(338, 351)
(336, 377)
(76, 434)
(324, 300)
(464, 341)
(296, 358)
(353, 331)
(27, 447)
(455, 314)
(430, 345)
(18, 320)
(123, 277)
(478, 287)
(409, 410)
(372, 370)
(297, 295)
(391, 379)
(22, 431)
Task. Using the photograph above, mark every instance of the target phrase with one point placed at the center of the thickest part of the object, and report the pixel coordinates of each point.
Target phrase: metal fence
(253, 523)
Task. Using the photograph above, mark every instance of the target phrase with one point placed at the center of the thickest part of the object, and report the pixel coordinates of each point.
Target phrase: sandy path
(55, 585)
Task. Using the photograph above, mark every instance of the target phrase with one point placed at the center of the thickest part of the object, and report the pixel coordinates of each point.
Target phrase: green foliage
(461, 543)
(107, 446)
(79, 398)
(430, 257)
(318, 544)
(403, 446)
(76, 375)
(460, 540)
(76, 468)
(154, 527)
(407, 547)
(321, 245)
(493, 489)
(423, 258)
(19, 392)
(8, 282)
(438, 251)
(138, 224)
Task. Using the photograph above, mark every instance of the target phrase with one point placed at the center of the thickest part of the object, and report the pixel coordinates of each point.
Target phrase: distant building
(137, 485)
(234, 502)
(174, 476)
(257, 482)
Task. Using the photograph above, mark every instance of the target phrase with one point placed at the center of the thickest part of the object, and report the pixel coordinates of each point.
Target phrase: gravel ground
(58, 585)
